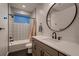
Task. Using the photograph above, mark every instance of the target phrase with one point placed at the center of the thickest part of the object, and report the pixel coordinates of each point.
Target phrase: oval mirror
(60, 16)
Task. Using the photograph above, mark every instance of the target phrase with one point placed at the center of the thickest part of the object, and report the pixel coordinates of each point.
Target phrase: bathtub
(18, 45)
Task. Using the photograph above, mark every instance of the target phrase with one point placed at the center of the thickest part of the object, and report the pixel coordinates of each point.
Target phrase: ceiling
(29, 7)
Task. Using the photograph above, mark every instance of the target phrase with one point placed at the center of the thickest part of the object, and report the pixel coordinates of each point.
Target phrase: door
(3, 29)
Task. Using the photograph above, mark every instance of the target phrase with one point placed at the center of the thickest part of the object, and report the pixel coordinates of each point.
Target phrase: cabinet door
(34, 49)
(39, 51)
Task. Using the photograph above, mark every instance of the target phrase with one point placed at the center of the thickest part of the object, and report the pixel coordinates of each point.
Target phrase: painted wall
(71, 34)
(41, 12)
(4, 32)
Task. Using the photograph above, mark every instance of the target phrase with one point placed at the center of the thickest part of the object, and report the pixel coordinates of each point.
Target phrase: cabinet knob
(42, 53)
(59, 38)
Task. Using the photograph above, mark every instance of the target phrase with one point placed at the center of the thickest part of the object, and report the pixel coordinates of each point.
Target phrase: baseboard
(7, 53)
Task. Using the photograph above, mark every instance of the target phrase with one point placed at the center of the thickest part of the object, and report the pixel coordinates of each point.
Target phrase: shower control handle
(2, 28)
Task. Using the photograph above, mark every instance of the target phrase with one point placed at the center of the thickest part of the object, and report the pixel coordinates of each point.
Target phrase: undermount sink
(47, 38)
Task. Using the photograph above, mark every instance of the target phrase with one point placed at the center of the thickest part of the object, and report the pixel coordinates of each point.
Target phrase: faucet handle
(59, 38)
(53, 37)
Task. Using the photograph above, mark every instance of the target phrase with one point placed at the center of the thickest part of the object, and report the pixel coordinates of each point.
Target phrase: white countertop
(65, 47)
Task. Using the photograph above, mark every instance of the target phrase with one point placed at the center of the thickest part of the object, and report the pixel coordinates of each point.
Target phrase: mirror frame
(66, 26)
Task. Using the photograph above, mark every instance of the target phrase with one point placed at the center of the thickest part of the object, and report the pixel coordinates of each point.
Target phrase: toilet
(29, 47)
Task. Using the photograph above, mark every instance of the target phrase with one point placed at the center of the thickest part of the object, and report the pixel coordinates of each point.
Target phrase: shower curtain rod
(14, 14)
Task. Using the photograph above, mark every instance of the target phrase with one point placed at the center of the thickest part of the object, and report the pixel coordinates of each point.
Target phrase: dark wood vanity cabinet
(36, 49)
(41, 49)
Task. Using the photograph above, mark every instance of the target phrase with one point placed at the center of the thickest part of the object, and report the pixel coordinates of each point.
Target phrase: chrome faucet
(54, 35)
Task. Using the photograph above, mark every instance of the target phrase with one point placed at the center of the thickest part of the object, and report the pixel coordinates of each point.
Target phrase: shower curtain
(33, 29)
(20, 31)
(21, 27)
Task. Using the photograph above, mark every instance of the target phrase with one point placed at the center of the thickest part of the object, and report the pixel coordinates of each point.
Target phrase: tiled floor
(20, 53)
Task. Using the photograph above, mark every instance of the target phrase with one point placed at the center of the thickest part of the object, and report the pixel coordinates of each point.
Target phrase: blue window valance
(21, 19)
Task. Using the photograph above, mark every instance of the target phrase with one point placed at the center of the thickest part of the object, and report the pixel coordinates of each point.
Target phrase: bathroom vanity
(43, 46)
(42, 49)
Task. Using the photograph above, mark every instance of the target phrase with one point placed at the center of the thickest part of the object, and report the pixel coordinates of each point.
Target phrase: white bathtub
(18, 45)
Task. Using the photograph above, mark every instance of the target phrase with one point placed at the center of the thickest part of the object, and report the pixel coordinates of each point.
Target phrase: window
(21, 19)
